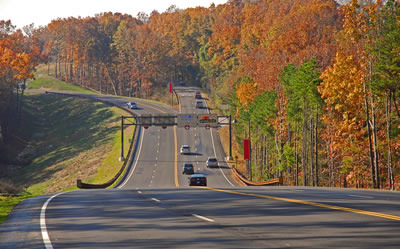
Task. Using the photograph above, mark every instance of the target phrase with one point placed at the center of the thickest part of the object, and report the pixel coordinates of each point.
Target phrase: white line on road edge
(203, 218)
(360, 196)
(134, 167)
(154, 199)
(215, 152)
(43, 228)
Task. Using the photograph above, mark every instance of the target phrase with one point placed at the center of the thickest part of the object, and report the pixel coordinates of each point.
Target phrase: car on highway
(131, 105)
(197, 95)
(185, 149)
(199, 104)
(211, 162)
(197, 180)
(188, 169)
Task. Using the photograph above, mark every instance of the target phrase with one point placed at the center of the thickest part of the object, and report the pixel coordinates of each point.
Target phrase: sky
(41, 12)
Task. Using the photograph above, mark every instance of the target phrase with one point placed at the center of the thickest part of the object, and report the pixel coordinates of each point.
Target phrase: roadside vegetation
(59, 140)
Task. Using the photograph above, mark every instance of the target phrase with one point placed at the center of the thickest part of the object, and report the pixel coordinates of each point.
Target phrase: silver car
(212, 162)
(185, 149)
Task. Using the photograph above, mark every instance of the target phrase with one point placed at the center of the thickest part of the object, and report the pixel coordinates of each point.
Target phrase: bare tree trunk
(316, 151)
(389, 140)
(296, 152)
(312, 152)
(371, 154)
(304, 154)
(375, 144)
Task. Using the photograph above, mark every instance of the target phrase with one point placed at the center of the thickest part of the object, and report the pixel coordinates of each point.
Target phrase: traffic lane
(141, 173)
(89, 219)
(21, 229)
(280, 224)
(368, 200)
(143, 105)
(207, 145)
(164, 167)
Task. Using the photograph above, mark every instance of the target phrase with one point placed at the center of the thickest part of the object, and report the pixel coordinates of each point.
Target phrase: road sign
(146, 120)
(187, 127)
(164, 120)
(186, 119)
(207, 119)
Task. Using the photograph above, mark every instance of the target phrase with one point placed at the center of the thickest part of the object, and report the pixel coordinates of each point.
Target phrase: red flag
(170, 87)
(246, 148)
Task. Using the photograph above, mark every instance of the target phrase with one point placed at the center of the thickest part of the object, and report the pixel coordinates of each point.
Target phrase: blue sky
(41, 12)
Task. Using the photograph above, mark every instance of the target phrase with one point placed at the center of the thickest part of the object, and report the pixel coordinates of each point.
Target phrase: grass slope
(65, 139)
(43, 81)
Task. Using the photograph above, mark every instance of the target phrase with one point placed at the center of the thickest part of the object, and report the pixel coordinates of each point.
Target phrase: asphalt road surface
(155, 208)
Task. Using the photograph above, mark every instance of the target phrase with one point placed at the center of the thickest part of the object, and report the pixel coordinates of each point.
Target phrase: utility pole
(230, 138)
(251, 172)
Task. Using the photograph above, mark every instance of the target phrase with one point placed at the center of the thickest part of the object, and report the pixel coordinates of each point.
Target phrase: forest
(313, 83)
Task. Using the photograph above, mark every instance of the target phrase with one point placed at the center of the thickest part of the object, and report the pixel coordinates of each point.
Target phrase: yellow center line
(152, 107)
(310, 203)
(176, 158)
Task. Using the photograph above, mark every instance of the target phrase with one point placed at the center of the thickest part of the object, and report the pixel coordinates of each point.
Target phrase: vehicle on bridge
(197, 180)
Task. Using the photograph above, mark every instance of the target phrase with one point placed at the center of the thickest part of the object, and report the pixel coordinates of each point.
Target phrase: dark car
(188, 169)
(198, 180)
(197, 95)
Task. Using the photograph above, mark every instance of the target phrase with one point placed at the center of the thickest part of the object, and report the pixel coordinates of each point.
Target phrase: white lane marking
(203, 218)
(360, 196)
(215, 154)
(156, 200)
(139, 192)
(43, 228)
(134, 167)
(212, 140)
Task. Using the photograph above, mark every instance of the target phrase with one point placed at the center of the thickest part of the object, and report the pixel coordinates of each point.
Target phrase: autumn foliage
(314, 83)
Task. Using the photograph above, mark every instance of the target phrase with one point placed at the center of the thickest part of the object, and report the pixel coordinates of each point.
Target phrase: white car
(131, 105)
(185, 149)
(199, 104)
(212, 162)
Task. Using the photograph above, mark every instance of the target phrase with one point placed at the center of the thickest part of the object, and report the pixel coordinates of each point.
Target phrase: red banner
(246, 147)
(170, 87)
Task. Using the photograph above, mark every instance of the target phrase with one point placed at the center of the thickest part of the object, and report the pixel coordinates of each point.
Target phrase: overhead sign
(164, 120)
(146, 120)
(186, 119)
(210, 120)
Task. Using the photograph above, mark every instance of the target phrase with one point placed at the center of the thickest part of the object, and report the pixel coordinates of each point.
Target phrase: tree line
(313, 83)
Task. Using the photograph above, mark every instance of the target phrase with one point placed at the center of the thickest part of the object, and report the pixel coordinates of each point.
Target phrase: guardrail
(276, 181)
(129, 157)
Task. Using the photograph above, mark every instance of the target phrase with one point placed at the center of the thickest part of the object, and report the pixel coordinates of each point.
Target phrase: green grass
(43, 81)
(54, 84)
(70, 138)
(8, 203)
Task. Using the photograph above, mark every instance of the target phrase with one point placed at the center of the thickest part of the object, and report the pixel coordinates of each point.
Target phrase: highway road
(155, 208)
